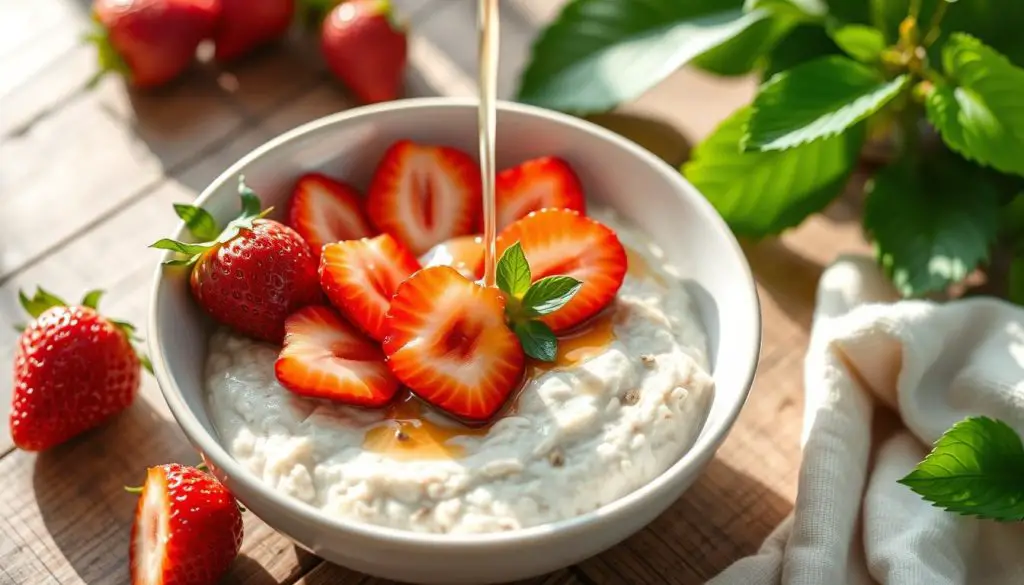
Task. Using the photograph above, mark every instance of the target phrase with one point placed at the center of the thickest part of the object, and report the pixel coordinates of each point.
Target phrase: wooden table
(87, 179)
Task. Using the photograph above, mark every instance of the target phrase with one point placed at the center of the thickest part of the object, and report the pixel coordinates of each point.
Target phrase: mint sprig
(526, 301)
(976, 468)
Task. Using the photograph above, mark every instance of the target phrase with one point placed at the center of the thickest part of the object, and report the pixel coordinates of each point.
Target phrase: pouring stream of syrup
(487, 14)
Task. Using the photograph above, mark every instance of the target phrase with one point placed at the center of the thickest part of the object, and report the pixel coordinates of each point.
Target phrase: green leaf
(981, 113)
(599, 53)
(92, 299)
(180, 247)
(932, 228)
(761, 193)
(863, 43)
(549, 294)
(747, 50)
(806, 10)
(513, 272)
(145, 362)
(816, 100)
(38, 303)
(976, 468)
(537, 339)
(804, 43)
(198, 221)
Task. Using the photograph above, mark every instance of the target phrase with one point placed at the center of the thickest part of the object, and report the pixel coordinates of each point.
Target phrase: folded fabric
(932, 364)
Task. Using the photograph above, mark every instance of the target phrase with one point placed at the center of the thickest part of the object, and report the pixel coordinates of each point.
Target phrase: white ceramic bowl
(614, 171)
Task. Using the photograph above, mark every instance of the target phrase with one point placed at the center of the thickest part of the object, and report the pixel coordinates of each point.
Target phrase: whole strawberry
(151, 42)
(73, 370)
(245, 25)
(252, 274)
(187, 528)
(365, 49)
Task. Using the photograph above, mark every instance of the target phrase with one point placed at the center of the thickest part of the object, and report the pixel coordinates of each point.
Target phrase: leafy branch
(937, 82)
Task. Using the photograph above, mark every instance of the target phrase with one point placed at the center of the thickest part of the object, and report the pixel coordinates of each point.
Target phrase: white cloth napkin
(934, 364)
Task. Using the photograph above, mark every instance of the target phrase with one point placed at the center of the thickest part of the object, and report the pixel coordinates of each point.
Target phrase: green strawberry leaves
(976, 468)
(40, 302)
(979, 111)
(204, 227)
(816, 100)
(525, 302)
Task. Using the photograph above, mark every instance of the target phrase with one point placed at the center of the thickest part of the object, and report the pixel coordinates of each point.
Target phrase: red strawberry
(324, 210)
(563, 242)
(424, 194)
(448, 342)
(365, 49)
(151, 42)
(325, 357)
(360, 277)
(245, 25)
(73, 370)
(535, 184)
(187, 528)
(464, 253)
(251, 275)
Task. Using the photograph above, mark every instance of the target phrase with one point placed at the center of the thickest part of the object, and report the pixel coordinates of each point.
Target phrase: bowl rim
(210, 446)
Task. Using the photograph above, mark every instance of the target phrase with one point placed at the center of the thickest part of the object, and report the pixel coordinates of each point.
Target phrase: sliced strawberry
(464, 253)
(187, 528)
(360, 277)
(325, 357)
(424, 194)
(563, 242)
(448, 342)
(536, 184)
(324, 210)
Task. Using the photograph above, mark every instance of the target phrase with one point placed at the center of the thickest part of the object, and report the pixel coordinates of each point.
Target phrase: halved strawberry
(360, 277)
(561, 241)
(187, 528)
(424, 194)
(448, 342)
(324, 210)
(464, 253)
(325, 357)
(536, 184)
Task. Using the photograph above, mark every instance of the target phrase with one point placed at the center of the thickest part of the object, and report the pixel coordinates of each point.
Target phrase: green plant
(935, 81)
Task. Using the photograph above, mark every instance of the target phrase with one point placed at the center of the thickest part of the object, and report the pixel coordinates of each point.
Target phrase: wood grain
(86, 183)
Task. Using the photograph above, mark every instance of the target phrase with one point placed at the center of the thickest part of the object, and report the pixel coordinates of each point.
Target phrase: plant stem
(933, 28)
(915, 8)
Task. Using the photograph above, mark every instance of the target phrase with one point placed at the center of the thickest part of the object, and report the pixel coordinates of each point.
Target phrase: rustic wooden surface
(87, 179)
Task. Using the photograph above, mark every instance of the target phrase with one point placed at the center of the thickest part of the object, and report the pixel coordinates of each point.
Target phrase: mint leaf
(513, 272)
(198, 221)
(760, 193)
(981, 113)
(599, 53)
(92, 299)
(933, 227)
(863, 43)
(549, 294)
(815, 100)
(537, 339)
(976, 468)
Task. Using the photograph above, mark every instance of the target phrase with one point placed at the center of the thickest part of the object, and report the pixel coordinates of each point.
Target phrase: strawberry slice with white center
(536, 184)
(187, 528)
(359, 277)
(464, 253)
(448, 342)
(563, 242)
(325, 210)
(325, 357)
(425, 194)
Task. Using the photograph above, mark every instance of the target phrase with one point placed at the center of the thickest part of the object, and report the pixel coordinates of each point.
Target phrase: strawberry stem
(107, 57)
(137, 490)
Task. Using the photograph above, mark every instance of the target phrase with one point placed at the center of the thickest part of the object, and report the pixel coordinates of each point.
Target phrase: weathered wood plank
(330, 574)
